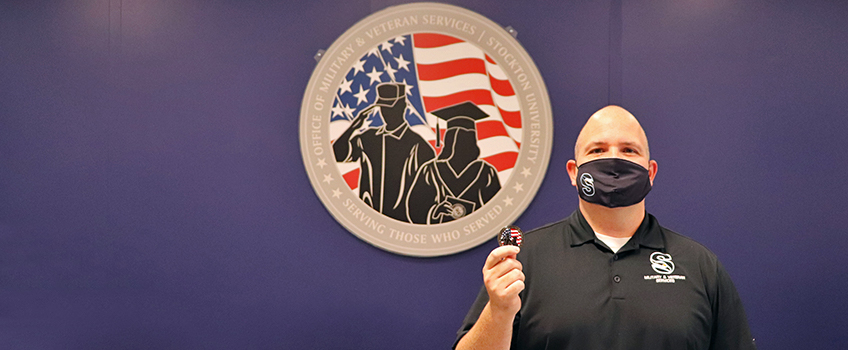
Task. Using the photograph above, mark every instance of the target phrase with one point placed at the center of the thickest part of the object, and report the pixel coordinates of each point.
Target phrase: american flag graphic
(439, 71)
(511, 235)
(516, 235)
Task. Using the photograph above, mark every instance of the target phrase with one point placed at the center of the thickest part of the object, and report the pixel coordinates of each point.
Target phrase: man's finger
(503, 267)
(514, 288)
(499, 254)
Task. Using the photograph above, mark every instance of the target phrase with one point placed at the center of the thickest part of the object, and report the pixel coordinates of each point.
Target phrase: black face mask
(613, 182)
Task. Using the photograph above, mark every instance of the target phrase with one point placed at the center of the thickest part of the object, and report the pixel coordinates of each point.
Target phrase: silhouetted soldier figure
(457, 183)
(389, 156)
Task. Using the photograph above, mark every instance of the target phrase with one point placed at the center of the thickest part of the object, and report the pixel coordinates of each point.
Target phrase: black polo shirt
(661, 290)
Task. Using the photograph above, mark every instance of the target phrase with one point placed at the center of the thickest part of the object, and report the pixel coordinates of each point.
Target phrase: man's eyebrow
(605, 143)
(634, 144)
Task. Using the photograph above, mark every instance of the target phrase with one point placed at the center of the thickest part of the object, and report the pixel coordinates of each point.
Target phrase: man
(388, 156)
(608, 276)
(456, 183)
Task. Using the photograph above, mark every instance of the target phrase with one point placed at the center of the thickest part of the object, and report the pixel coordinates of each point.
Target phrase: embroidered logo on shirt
(662, 264)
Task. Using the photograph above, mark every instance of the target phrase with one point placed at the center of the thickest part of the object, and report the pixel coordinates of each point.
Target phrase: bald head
(612, 132)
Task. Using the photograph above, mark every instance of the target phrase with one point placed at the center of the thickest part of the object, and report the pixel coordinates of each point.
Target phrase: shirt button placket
(615, 271)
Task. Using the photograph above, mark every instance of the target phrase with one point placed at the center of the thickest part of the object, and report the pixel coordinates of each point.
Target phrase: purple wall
(152, 193)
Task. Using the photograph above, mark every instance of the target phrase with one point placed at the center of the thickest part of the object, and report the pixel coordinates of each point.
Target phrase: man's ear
(571, 168)
(652, 170)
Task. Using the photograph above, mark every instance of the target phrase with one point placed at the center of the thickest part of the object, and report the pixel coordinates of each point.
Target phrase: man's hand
(357, 122)
(442, 209)
(504, 279)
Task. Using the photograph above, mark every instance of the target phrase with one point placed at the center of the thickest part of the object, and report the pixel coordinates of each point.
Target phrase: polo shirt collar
(648, 234)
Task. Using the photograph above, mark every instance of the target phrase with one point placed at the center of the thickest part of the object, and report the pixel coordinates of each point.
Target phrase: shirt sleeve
(730, 324)
(473, 315)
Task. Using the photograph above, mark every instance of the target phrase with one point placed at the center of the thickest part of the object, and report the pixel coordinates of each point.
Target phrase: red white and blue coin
(511, 235)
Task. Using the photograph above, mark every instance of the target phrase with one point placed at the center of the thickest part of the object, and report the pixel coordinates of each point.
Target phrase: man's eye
(630, 150)
(596, 150)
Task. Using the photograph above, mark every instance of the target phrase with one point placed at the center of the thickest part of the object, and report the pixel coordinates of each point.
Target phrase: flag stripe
(455, 84)
(450, 68)
(425, 40)
(503, 160)
(477, 96)
(496, 144)
(352, 178)
(452, 71)
(501, 87)
(509, 103)
(495, 113)
(496, 72)
(511, 119)
(486, 129)
(450, 52)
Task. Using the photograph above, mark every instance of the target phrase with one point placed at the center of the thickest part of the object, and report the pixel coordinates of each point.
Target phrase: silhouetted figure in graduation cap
(388, 156)
(457, 183)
